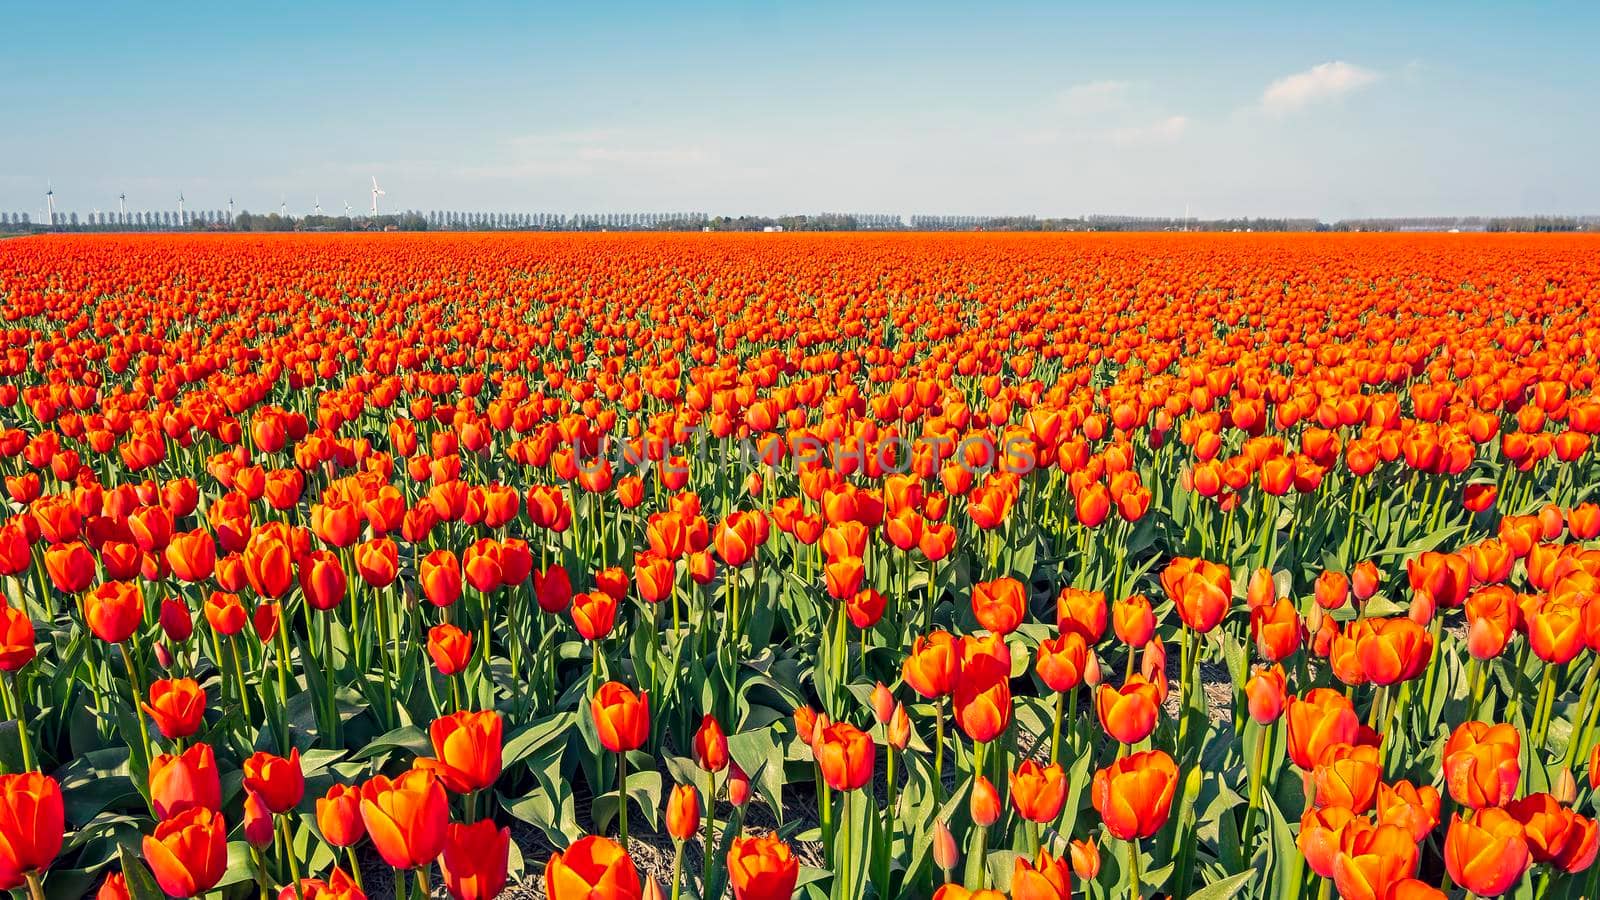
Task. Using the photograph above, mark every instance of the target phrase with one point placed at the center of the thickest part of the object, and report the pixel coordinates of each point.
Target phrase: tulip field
(604, 567)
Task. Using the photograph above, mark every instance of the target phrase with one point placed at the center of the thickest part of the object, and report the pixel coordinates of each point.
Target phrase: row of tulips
(1278, 583)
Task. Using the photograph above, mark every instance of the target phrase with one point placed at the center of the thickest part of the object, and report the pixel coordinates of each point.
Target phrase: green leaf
(1224, 889)
(141, 885)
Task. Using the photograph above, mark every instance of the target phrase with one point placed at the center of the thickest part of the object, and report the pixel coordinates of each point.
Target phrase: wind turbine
(50, 203)
(317, 208)
(230, 209)
(122, 204)
(376, 193)
(283, 206)
(180, 207)
(347, 210)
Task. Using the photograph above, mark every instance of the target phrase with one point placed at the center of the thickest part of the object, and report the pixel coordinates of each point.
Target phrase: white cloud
(1318, 83)
(1168, 129)
(1093, 97)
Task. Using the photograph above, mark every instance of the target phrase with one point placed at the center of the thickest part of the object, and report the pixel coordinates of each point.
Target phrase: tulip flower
(1128, 714)
(761, 868)
(278, 780)
(1371, 861)
(592, 868)
(176, 706)
(1488, 854)
(184, 781)
(467, 750)
(1046, 878)
(622, 720)
(474, 860)
(982, 699)
(1316, 722)
(405, 817)
(188, 853)
(32, 822)
(339, 816)
(450, 648)
(1482, 764)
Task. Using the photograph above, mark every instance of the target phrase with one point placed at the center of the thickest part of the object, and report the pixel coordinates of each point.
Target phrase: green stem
(1133, 869)
(15, 694)
(622, 798)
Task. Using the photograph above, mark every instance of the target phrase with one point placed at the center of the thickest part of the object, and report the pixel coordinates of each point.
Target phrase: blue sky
(1346, 109)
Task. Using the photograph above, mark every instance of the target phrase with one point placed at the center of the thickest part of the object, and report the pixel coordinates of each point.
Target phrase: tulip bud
(710, 745)
(1565, 787)
(945, 855)
(1086, 859)
(805, 723)
(258, 824)
(652, 890)
(163, 656)
(1091, 671)
(984, 803)
(1594, 768)
(683, 812)
(1261, 591)
(882, 703)
(738, 785)
(1364, 580)
(899, 728)
(1266, 694)
(1422, 608)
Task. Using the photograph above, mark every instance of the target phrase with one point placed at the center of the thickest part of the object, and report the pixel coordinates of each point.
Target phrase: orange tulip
(683, 812)
(467, 750)
(933, 665)
(1320, 720)
(846, 756)
(760, 868)
(280, 782)
(1277, 629)
(1083, 612)
(710, 745)
(1133, 620)
(1266, 693)
(1201, 591)
(1348, 776)
(474, 860)
(32, 822)
(1488, 854)
(1554, 833)
(339, 816)
(999, 605)
(1482, 764)
(1061, 661)
(1322, 834)
(1393, 650)
(593, 868)
(1037, 794)
(1130, 713)
(1372, 860)
(179, 783)
(982, 698)
(983, 804)
(1047, 878)
(1413, 808)
(450, 648)
(114, 610)
(440, 575)
(176, 706)
(16, 639)
(188, 853)
(1134, 794)
(594, 614)
(621, 718)
(405, 817)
